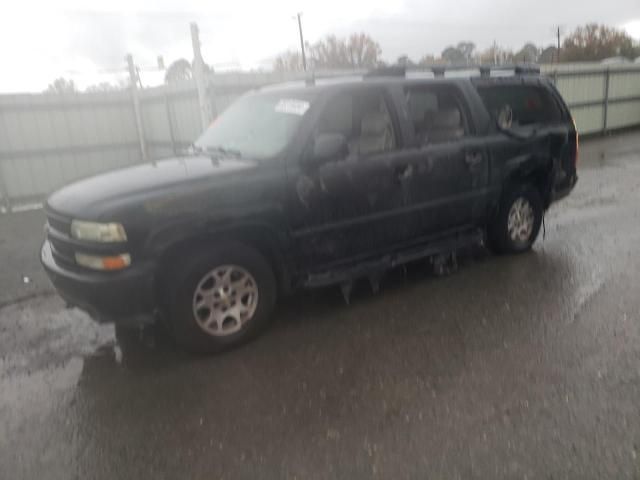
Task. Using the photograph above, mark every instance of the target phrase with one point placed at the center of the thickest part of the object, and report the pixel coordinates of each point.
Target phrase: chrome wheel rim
(224, 300)
(520, 220)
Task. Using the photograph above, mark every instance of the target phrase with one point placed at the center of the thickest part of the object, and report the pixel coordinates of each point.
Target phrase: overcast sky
(88, 39)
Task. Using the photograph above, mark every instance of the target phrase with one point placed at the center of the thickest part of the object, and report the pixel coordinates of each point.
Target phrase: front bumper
(124, 297)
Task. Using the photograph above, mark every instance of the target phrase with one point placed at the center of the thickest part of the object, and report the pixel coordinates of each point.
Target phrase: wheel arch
(539, 174)
(538, 178)
(265, 239)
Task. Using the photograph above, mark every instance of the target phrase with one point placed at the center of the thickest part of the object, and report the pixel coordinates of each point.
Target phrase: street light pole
(304, 58)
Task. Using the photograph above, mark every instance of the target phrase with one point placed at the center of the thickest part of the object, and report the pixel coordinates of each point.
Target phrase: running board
(375, 267)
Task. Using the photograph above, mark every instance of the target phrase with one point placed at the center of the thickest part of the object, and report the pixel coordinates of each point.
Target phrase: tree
(495, 55)
(329, 53)
(466, 48)
(405, 61)
(548, 55)
(107, 87)
(453, 55)
(288, 62)
(461, 53)
(429, 60)
(363, 51)
(178, 71)
(357, 51)
(528, 53)
(595, 42)
(62, 85)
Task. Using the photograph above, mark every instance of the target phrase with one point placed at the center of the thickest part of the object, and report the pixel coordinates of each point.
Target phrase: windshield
(256, 126)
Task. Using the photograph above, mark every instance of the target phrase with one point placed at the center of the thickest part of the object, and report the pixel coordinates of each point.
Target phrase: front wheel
(222, 296)
(517, 223)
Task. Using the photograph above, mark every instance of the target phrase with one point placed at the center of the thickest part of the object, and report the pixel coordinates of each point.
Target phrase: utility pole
(304, 58)
(135, 98)
(558, 51)
(198, 73)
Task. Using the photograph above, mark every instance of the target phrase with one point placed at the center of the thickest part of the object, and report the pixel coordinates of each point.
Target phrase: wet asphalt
(512, 367)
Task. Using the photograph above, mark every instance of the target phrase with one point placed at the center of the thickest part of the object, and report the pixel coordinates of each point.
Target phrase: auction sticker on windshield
(292, 106)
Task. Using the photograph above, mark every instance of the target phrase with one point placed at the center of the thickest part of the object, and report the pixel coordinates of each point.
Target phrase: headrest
(374, 123)
(447, 118)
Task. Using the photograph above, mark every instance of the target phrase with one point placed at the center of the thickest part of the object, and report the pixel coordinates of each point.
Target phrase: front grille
(58, 231)
(59, 223)
(62, 252)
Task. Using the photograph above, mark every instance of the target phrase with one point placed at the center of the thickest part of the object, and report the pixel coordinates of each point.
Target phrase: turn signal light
(116, 262)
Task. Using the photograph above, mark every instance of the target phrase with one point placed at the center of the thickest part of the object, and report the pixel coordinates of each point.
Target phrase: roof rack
(518, 69)
(439, 70)
(393, 71)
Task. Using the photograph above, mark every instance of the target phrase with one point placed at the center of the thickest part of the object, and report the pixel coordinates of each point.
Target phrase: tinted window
(529, 104)
(337, 116)
(363, 118)
(436, 114)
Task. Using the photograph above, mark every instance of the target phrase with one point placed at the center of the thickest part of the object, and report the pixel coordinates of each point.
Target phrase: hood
(90, 197)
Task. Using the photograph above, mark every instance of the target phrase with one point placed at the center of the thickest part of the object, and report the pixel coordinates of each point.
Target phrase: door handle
(473, 158)
(403, 172)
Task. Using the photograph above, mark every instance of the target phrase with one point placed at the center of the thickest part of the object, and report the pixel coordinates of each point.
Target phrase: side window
(529, 104)
(363, 118)
(436, 114)
(337, 116)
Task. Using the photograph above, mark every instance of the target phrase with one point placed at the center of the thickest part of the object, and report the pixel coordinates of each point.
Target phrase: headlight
(98, 232)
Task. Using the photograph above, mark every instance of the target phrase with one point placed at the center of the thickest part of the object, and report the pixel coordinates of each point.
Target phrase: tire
(220, 297)
(524, 204)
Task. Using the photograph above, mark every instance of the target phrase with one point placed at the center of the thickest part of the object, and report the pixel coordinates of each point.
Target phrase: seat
(443, 125)
(375, 134)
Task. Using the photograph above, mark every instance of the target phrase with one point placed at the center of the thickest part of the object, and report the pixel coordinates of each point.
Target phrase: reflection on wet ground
(512, 367)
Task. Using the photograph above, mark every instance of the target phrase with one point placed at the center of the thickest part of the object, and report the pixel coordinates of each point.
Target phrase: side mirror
(327, 146)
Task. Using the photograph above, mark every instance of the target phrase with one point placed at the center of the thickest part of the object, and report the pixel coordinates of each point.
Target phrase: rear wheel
(221, 297)
(517, 223)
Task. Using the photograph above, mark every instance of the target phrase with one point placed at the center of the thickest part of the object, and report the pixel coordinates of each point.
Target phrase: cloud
(432, 25)
(93, 35)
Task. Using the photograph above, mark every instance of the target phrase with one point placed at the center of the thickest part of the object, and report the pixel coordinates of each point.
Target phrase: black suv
(311, 184)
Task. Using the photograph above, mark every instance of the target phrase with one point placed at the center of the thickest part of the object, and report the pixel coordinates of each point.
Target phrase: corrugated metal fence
(48, 140)
(601, 98)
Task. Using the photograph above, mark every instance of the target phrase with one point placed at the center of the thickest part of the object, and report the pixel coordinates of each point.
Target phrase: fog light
(116, 262)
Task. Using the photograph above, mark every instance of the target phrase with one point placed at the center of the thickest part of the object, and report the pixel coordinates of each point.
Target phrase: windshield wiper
(230, 152)
(215, 152)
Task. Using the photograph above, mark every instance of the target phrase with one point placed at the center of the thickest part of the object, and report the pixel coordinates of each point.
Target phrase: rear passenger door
(451, 165)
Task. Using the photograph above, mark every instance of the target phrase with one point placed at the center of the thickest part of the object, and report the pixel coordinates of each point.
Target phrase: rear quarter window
(530, 104)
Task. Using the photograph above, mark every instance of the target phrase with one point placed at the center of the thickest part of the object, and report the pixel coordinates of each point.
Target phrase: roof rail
(440, 70)
(393, 71)
(486, 69)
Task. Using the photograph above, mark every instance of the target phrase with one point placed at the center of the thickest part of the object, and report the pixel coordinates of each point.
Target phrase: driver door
(348, 207)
